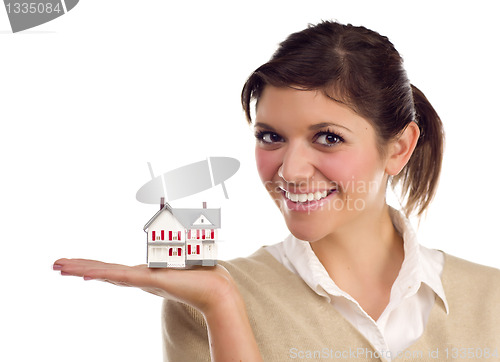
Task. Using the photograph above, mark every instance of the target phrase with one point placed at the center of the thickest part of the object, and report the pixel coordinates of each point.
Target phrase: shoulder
(458, 271)
(473, 299)
(471, 287)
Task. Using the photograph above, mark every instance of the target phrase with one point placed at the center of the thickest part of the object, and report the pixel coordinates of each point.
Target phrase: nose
(297, 166)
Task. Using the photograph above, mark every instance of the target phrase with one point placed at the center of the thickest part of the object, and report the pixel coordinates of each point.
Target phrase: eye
(268, 137)
(328, 139)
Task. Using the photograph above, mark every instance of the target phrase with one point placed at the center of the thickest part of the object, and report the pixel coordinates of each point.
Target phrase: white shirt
(412, 295)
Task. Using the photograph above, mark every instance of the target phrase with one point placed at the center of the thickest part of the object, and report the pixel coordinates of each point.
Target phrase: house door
(176, 257)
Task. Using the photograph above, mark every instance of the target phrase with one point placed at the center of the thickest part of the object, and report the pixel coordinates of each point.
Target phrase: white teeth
(318, 195)
(302, 197)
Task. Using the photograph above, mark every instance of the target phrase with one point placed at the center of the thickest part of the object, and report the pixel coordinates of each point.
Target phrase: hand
(201, 287)
(209, 289)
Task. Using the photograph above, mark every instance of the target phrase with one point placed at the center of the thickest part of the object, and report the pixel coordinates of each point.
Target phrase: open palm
(200, 287)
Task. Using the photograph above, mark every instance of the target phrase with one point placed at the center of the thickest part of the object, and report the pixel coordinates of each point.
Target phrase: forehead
(293, 107)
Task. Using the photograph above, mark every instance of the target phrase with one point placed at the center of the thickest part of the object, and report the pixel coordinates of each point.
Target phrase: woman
(336, 121)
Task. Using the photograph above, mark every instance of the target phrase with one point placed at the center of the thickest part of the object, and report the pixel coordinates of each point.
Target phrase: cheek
(350, 169)
(268, 163)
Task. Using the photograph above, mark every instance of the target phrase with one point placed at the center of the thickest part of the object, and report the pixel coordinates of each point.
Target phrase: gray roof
(188, 216)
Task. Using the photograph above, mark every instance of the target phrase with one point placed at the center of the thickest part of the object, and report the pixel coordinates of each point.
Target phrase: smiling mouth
(312, 196)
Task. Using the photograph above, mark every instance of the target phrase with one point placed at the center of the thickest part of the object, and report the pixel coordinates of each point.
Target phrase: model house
(179, 238)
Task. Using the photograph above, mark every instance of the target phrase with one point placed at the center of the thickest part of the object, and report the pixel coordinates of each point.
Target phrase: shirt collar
(419, 266)
(309, 268)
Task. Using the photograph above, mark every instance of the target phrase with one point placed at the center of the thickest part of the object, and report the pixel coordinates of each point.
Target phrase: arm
(229, 332)
(210, 290)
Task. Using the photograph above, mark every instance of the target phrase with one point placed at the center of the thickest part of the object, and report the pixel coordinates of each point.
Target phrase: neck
(367, 249)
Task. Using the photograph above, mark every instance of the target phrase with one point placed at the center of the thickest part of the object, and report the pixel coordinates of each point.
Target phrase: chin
(306, 236)
(305, 231)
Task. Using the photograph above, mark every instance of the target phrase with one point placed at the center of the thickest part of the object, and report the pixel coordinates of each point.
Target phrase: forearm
(229, 332)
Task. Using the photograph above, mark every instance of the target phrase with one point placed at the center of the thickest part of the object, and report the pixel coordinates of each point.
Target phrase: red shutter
(178, 235)
(189, 249)
(203, 234)
(153, 235)
(197, 249)
(179, 252)
(197, 233)
(170, 252)
(189, 234)
(163, 235)
(212, 234)
(170, 235)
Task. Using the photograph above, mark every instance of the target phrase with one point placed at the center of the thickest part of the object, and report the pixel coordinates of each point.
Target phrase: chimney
(162, 203)
(204, 204)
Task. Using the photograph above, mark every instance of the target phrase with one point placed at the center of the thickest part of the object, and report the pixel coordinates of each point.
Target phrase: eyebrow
(264, 125)
(314, 127)
(318, 126)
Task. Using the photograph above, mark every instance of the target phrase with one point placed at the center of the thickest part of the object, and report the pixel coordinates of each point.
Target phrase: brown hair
(362, 69)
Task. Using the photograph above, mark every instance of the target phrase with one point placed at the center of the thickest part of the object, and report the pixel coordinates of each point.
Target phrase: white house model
(179, 238)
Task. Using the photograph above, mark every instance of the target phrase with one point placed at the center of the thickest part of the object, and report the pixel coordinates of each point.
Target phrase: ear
(401, 149)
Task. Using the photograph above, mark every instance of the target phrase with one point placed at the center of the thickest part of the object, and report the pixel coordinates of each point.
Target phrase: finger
(83, 262)
(78, 267)
(125, 276)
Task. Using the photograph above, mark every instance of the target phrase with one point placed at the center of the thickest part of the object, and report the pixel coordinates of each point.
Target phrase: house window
(175, 252)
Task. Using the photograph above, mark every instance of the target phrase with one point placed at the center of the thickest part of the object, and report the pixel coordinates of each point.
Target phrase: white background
(87, 99)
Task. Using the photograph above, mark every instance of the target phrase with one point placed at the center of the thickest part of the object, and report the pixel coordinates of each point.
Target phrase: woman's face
(319, 162)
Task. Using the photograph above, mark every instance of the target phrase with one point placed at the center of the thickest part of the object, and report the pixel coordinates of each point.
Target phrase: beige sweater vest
(292, 322)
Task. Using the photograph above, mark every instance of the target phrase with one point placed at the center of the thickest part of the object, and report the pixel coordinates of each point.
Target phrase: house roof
(187, 217)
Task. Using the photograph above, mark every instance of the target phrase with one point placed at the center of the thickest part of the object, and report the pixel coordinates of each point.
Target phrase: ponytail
(419, 178)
